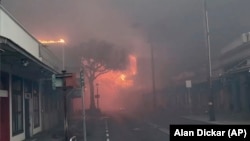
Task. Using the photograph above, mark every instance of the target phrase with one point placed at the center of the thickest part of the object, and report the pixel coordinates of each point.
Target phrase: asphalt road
(122, 126)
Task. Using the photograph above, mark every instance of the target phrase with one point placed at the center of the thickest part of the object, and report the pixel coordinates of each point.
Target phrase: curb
(200, 120)
(218, 122)
(155, 126)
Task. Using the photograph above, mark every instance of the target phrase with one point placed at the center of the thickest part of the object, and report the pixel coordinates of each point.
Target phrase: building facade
(28, 105)
(230, 84)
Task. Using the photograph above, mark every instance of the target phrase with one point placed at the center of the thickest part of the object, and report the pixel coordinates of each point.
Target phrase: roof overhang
(13, 55)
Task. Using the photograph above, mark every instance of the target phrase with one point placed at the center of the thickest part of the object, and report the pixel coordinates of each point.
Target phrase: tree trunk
(92, 94)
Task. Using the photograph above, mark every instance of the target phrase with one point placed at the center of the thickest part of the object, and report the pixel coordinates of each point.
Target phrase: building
(235, 63)
(230, 83)
(28, 104)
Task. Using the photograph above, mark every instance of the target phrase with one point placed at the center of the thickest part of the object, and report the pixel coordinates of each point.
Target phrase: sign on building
(188, 83)
(58, 79)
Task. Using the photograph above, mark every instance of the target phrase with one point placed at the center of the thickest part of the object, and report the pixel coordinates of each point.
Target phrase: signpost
(189, 86)
(59, 80)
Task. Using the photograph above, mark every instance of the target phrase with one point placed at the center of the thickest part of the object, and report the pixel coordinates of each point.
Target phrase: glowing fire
(133, 64)
(121, 78)
(52, 41)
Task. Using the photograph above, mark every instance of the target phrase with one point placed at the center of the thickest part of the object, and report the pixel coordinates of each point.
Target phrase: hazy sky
(174, 27)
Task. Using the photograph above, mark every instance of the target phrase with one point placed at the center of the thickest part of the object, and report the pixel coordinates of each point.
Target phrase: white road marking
(162, 129)
(107, 130)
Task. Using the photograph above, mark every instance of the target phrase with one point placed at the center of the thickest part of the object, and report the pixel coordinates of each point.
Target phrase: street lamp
(207, 33)
(61, 41)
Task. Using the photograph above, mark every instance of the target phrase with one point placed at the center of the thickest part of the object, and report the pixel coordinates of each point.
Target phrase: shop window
(4, 84)
(36, 108)
(27, 86)
(4, 81)
(17, 105)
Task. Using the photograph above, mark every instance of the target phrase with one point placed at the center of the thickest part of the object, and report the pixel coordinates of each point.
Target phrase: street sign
(57, 82)
(188, 83)
(57, 79)
(64, 75)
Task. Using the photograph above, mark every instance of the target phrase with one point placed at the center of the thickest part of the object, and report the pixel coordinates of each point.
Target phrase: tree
(100, 57)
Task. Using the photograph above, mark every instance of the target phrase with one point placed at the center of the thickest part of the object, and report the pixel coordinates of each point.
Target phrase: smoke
(174, 28)
(183, 76)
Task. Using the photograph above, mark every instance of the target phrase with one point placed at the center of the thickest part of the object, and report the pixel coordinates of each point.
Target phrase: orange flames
(112, 84)
(52, 41)
(126, 77)
(121, 78)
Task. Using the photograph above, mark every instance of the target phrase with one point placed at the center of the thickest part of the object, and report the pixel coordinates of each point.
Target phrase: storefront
(4, 106)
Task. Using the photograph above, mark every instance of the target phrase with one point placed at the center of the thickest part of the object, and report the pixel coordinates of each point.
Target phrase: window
(4, 81)
(36, 106)
(17, 105)
(27, 86)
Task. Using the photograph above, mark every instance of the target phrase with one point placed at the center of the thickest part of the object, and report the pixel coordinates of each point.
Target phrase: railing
(73, 138)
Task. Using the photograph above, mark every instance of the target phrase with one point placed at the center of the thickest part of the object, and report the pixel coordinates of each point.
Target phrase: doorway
(4, 107)
(4, 119)
(27, 107)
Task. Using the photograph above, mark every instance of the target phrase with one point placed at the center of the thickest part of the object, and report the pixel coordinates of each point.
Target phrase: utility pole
(59, 80)
(153, 76)
(207, 35)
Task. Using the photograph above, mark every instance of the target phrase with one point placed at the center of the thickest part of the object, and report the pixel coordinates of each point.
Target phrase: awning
(13, 55)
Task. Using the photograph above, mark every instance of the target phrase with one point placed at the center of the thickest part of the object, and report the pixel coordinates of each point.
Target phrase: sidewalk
(223, 119)
(55, 134)
(95, 130)
(172, 116)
